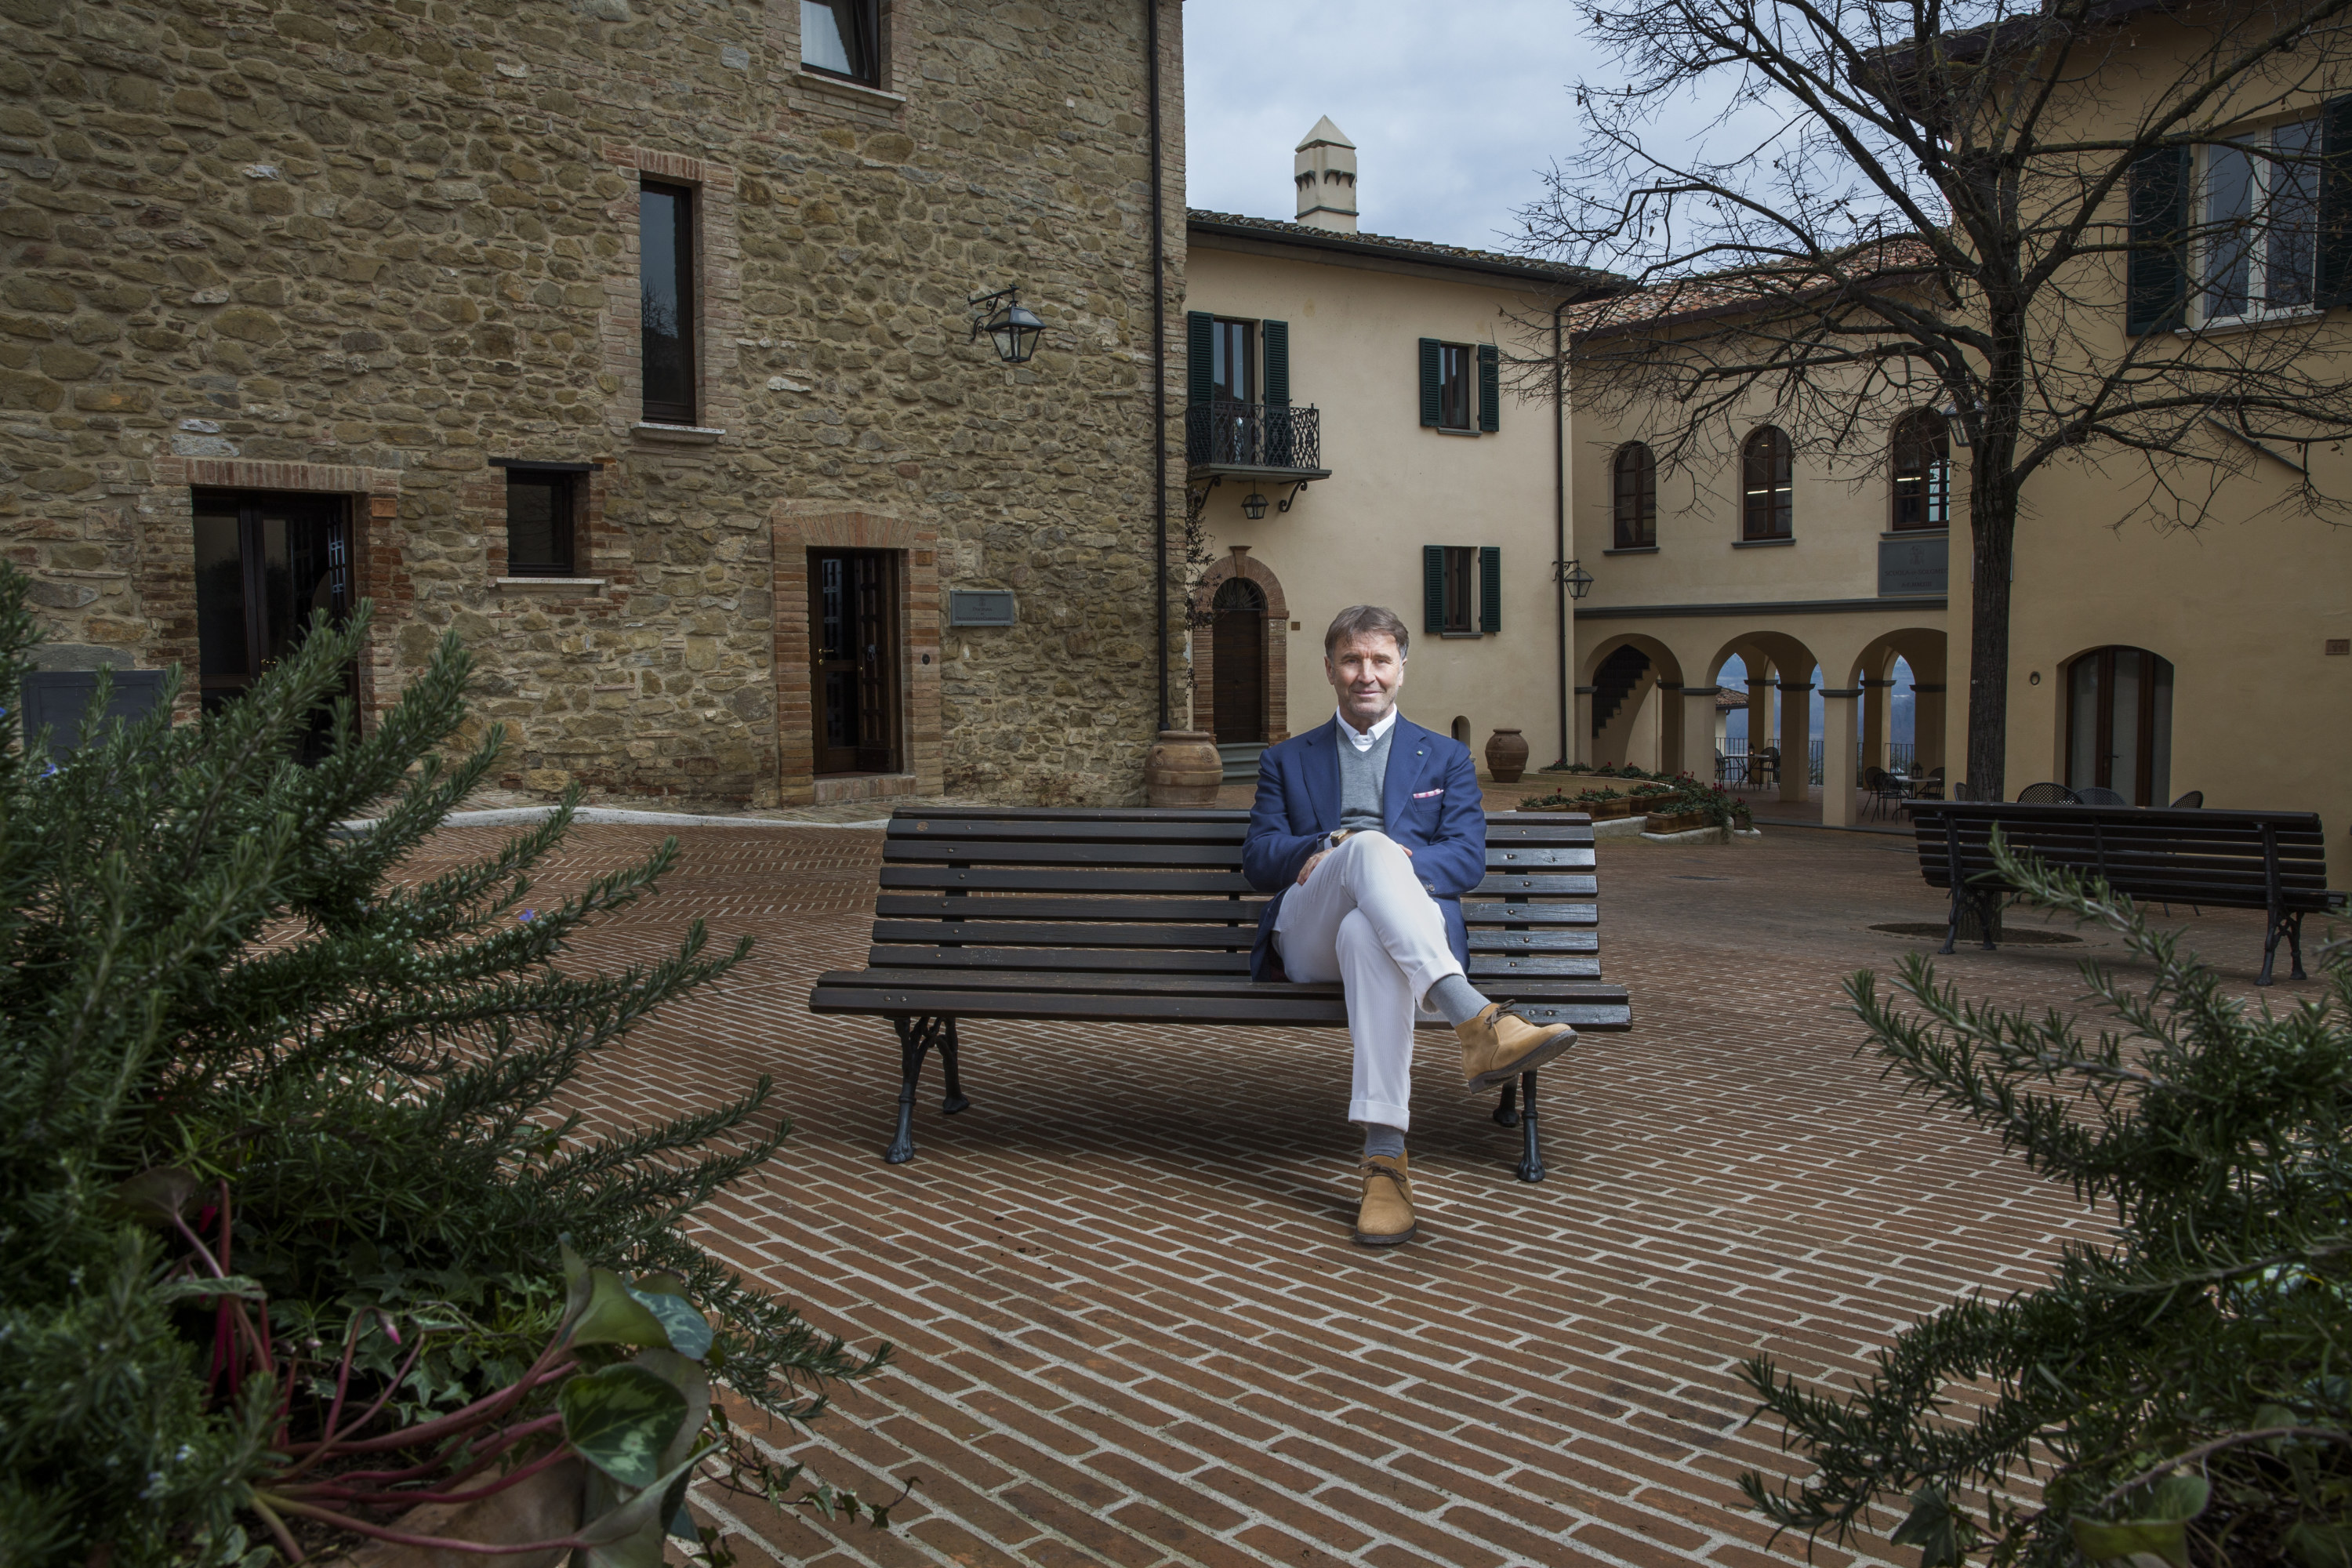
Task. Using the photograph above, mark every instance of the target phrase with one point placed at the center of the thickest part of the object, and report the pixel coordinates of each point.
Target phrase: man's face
(1366, 671)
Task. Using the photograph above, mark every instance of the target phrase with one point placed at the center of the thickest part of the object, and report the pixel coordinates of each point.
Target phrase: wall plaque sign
(1909, 567)
(981, 607)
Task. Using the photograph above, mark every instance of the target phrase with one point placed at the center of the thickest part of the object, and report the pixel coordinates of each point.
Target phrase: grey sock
(1458, 999)
(1378, 1141)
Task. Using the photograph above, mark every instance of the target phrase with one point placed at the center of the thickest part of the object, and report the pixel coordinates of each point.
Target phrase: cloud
(1452, 108)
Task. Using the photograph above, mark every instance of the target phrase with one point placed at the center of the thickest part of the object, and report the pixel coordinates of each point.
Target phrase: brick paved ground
(1133, 1330)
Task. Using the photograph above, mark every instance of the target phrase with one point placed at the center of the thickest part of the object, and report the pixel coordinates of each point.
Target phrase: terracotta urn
(1506, 755)
(1183, 769)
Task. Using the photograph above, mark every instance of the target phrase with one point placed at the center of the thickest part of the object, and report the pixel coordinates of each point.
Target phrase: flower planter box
(1603, 810)
(1680, 822)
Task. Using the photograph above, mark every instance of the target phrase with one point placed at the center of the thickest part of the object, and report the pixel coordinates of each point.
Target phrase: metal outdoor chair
(1885, 789)
(2047, 794)
(2097, 794)
(1764, 766)
(2193, 801)
(1931, 787)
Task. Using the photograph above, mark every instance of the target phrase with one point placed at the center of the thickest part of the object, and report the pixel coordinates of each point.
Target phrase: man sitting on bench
(1367, 831)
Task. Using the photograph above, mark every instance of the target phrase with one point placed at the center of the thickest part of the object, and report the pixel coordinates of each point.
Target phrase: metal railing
(1731, 762)
(1253, 436)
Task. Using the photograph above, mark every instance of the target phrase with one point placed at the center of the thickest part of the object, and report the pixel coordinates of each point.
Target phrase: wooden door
(854, 658)
(1238, 648)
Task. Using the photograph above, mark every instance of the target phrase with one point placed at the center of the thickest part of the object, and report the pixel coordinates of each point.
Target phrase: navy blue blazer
(1430, 801)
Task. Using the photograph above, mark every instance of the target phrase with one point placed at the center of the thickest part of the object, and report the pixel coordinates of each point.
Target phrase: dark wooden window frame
(1456, 399)
(864, 44)
(1461, 590)
(662, 409)
(1919, 478)
(1633, 496)
(2103, 718)
(1766, 485)
(567, 480)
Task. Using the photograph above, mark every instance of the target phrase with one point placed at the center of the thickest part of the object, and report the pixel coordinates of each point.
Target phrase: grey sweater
(1361, 776)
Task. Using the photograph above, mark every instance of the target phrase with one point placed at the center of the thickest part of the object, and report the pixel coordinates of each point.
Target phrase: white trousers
(1364, 920)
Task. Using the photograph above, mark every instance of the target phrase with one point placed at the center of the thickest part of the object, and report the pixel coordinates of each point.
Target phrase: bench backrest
(2233, 858)
(1162, 892)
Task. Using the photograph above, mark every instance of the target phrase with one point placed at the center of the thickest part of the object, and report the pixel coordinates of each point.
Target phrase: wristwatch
(1331, 840)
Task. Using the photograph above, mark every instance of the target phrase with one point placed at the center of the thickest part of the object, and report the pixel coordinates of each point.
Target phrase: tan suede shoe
(1497, 1046)
(1386, 1217)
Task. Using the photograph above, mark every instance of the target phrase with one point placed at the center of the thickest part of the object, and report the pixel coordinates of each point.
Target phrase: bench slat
(1015, 933)
(1595, 1006)
(1096, 960)
(1215, 911)
(1076, 879)
(1044, 852)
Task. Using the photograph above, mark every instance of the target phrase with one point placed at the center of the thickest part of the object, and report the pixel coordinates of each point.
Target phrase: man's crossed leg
(1363, 919)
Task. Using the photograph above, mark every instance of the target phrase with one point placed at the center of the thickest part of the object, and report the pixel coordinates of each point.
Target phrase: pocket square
(1427, 794)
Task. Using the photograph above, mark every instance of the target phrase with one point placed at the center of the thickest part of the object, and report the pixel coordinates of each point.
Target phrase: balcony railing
(1253, 436)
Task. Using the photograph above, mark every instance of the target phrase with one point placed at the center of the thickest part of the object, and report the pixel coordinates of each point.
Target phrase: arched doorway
(2119, 723)
(1238, 644)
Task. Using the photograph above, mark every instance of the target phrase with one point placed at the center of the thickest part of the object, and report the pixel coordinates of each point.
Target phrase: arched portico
(1630, 681)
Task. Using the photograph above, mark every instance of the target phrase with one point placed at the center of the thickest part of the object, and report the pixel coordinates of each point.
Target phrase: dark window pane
(840, 37)
(1461, 567)
(2228, 244)
(2293, 216)
(1767, 509)
(1636, 496)
(666, 279)
(1454, 386)
(539, 524)
(221, 635)
(1923, 472)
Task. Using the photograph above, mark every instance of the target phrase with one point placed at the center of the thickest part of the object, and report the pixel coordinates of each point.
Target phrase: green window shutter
(1274, 346)
(1201, 357)
(1490, 588)
(2335, 203)
(1490, 390)
(2157, 271)
(1430, 412)
(1432, 588)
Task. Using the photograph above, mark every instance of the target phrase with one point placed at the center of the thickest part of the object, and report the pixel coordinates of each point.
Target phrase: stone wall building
(629, 339)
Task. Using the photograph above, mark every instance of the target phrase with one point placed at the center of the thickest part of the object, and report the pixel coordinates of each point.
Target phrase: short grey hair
(1357, 620)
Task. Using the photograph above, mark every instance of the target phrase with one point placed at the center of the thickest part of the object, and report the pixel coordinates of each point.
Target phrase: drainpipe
(1158, 358)
(1560, 518)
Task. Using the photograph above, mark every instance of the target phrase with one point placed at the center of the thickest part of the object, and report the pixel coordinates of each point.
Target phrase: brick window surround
(718, 292)
(1240, 564)
(167, 571)
(799, 528)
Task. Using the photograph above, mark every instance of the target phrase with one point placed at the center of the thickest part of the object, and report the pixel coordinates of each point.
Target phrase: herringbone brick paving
(1132, 1328)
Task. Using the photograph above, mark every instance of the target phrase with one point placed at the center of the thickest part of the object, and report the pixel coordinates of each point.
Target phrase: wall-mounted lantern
(1579, 581)
(1253, 506)
(1014, 329)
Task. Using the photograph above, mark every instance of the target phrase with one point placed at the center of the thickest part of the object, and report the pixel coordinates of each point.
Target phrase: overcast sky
(1452, 108)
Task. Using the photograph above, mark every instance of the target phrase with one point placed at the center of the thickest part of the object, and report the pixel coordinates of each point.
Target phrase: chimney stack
(1326, 174)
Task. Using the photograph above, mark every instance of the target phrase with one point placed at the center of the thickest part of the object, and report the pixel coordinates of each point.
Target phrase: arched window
(1767, 496)
(2119, 723)
(1636, 497)
(1922, 455)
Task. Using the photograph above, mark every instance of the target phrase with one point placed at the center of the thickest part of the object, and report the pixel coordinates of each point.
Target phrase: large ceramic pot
(1183, 769)
(1506, 755)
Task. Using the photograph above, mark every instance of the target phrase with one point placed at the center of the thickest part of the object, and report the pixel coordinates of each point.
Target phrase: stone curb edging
(1704, 835)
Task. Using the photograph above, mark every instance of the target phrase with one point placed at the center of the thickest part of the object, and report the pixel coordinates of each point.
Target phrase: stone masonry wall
(369, 247)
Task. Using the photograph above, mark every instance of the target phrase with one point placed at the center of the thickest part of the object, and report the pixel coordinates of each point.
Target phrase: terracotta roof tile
(1408, 250)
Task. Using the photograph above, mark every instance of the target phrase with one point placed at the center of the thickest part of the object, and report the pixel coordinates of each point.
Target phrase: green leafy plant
(289, 1149)
(2181, 1394)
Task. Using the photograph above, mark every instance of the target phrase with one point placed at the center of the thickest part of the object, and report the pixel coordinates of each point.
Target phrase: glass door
(854, 659)
(2119, 724)
(266, 563)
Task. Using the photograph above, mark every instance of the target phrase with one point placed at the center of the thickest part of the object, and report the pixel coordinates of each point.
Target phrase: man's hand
(1308, 870)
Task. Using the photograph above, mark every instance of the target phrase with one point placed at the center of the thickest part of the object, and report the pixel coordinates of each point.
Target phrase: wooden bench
(2274, 861)
(1143, 917)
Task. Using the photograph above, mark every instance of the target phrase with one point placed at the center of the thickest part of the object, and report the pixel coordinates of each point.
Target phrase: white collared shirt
(1362, 739)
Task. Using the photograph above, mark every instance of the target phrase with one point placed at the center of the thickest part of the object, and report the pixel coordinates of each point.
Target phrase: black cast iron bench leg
(953, 1100)
(1531, 1165)
(916, 1038)
(1506, 1110)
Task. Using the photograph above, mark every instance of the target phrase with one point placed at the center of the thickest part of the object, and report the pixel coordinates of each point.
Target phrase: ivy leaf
(688, 1330)
(1941, 1534)
(2321, 1545)
(622, 1419)
(158, 1197)
(614, 1317)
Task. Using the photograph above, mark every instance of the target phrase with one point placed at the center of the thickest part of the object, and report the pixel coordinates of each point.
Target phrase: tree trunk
(1992, 528)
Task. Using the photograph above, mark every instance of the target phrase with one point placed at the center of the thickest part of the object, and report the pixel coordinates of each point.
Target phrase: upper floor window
(1922, 456)
(842, 38)
(540, 529)
(1766, 493)
(665, 299)
(1447, 399)
(2260, 220)
(1232, 364)
(1635, 472)
(1462, 589)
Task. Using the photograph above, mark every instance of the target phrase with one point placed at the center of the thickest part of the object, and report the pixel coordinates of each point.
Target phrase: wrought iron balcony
(1274, 440)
